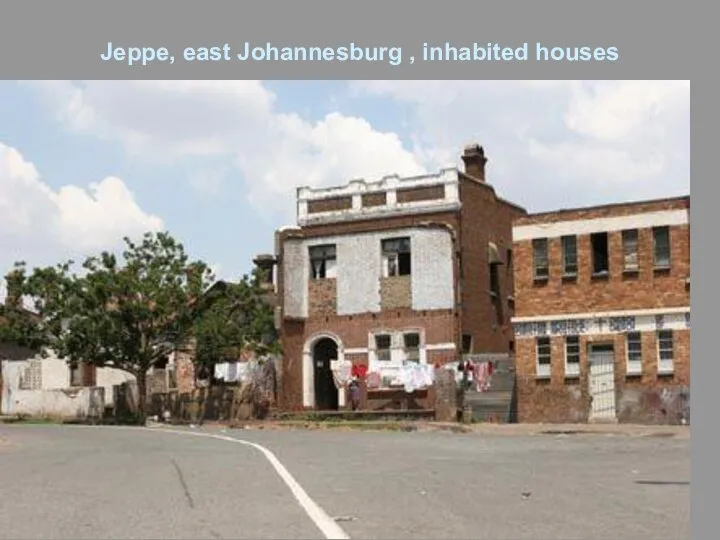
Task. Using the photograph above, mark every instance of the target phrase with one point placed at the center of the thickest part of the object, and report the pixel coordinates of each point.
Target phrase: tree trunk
(142, 397)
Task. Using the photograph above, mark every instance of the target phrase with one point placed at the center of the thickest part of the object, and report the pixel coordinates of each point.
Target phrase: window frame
(627, 241)
(541, 265)
(665, 365)
(543, 370)
(325, 271)
(564, 244)
(572, 372)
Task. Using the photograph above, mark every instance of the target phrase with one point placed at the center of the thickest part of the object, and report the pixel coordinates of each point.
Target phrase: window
(543, 356)
(630, 250)
(600, 258)
(411, 345)
(322, 261)
(509, 260)
(467, 343)
(569, 250)
(540, 258)
(382, 347)
(661, 241)
(396, 257)
(665, 351)
(496, 299)
(172, 377)
(572, 356)
(633, 346)
(494, 280)
(76, 374)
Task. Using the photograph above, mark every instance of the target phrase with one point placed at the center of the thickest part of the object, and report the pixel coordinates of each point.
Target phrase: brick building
(403, 269)
(602, 320)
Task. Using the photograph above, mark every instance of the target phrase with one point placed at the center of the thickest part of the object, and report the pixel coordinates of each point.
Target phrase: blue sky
(83, 163)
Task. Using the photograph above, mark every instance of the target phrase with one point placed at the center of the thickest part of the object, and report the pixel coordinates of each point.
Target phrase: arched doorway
(326, 395)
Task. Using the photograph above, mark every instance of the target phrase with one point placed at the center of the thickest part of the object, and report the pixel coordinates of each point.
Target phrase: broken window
(600, 257)
(630, 250)
(396, 257)
(382, 347)
(661, 238)
(467, 343)
(496, 300)
(543, 356)
(569, 251)
(172, 377)
(494, 280)
(540, 258)
(572, 356)
(411, 343)
(322, 261)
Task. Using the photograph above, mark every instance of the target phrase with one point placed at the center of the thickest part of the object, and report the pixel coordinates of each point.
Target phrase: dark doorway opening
(326, 394)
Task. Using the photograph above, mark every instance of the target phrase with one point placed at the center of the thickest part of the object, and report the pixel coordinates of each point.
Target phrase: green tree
(126, 315)
(233, 317)
(18, 326)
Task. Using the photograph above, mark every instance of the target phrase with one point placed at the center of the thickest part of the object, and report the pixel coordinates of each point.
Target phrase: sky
(216, 163)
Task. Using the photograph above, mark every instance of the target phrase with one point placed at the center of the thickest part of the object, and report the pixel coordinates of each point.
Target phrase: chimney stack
(475, 160)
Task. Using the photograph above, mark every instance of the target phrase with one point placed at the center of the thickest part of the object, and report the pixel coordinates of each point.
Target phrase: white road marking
(319, 517)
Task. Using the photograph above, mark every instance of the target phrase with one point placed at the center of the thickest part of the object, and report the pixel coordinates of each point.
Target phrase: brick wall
(322, 297)
(427, 193)
(645, 289)
(646, 398)
(485, 218)
(329, 205)
(395, 292)
(353, 330)
(374, 199)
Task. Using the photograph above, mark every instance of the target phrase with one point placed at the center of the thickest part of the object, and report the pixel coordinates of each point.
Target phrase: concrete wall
(25, 381)
(108, 377)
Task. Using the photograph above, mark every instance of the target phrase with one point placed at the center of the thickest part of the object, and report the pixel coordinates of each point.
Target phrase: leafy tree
(18, 326)
(127, 316)
(234, 317)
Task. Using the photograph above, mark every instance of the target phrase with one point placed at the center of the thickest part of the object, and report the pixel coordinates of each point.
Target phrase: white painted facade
(598, 225)
(390, 185)
(43, 386)
(359, 269)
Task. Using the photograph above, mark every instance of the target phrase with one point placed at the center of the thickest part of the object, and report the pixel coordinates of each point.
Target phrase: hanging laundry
(482, 378)
(221, 371)
(359, 371)
(231, 372)
(342, 372)
(373, 380)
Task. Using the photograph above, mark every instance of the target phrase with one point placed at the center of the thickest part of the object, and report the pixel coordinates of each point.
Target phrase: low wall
(76, 403)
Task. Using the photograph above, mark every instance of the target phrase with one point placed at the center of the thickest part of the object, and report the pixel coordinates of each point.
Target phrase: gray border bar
(65, 39)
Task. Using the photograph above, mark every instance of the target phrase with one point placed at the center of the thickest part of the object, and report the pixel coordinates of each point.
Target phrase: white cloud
(170, 120)
(557, 143)
(39, 224)
(550, 143)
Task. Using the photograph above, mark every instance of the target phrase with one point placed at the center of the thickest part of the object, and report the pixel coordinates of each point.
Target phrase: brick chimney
(475, 160)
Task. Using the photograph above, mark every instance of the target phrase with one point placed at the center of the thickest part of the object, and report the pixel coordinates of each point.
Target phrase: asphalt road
(77, 482)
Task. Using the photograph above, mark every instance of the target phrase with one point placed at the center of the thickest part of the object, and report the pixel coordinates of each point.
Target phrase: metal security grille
(602, 383)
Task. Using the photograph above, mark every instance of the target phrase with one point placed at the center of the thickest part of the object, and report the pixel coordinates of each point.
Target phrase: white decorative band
(597, 325)
(589, 226)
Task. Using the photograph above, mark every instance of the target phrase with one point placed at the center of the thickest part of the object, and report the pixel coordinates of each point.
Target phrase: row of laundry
(233, 371)
(410, 376)
(413, 376)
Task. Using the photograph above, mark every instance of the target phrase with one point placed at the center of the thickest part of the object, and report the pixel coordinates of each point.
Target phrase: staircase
(498, 403)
